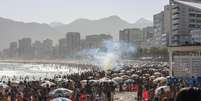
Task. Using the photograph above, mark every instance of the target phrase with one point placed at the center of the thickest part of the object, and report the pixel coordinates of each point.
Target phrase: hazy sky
(46, 11)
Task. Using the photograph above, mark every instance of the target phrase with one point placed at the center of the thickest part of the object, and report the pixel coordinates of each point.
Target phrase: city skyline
(65, 11)
(161, 31)
(100, 50)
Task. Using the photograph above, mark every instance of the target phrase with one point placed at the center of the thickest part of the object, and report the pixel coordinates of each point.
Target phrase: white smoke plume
(109, 55)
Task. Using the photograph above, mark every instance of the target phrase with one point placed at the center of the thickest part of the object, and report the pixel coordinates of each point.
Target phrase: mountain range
(11, 30)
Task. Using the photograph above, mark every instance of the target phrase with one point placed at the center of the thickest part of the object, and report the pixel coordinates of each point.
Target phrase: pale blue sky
(46, 11)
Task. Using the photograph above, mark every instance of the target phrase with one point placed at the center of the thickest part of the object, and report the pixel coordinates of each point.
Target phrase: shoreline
(42, 61)
(58, 61)
(64, 62)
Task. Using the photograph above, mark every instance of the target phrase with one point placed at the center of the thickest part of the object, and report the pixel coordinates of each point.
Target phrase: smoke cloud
(109, 55)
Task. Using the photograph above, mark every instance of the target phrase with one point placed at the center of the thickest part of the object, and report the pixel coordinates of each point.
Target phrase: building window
(192, 15)
(198, 15)
(192, 20)
(192, 25)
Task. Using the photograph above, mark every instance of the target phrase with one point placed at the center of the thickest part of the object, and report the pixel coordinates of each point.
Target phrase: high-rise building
(62, 48)
(37, 48)
(83, 44)
(167, 24)
(43, 50)
(167, 19)
(25, 48)
(186, 16)
(96, 41)
(161, 28)
(162, 21)
(73, 43)
(5, 53)
(48, 43)
(56, 52)
(47, 48)
(1, 55)
(13, 49)
(148, 32)
(186, 21)
(196, 36)
(192, 0)
(131, 36)
(159, 23)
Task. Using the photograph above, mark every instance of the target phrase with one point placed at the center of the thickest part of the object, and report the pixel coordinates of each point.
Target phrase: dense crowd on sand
(151, 82)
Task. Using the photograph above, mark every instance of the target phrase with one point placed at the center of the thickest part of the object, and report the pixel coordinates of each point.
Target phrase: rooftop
(191, 4)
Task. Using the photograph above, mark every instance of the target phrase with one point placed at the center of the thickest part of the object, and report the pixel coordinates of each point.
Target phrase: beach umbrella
(60, 99)
(92, 82)
(147, 75)
(114, 75)
(59, 79)
(108, 81)
(171, 79)
(83, 81)
(132, 70)
(152, 77)
(160, 79)
(113, 82)
(116, 70)
(154, 69)
(68, 80)
(104, 79)
(47, 83)
(61, 92)
(129, 81)
(128, 71)
(121, 74)
(164, 88)
(125, 77)
(15, 83)
(157, 73)
(90, 77)
(144, 78)
(138, 72)
(134, 76)
(3, 85)
(122, 71)
(118, 79)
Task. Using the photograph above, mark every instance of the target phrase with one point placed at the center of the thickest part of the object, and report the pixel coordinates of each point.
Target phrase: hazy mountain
(56, 24)
(14, 30)
(110, 25)
(142, 22)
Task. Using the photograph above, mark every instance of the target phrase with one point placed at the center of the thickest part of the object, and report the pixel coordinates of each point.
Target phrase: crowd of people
(151, 82)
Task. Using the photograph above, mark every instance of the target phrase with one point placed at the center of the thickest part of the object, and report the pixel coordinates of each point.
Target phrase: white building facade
(185, 57)
(196, 36)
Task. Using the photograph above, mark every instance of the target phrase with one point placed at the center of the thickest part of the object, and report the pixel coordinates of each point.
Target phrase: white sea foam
(35, 71)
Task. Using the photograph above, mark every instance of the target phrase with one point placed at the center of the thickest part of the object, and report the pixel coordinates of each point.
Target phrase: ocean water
(19, 71)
